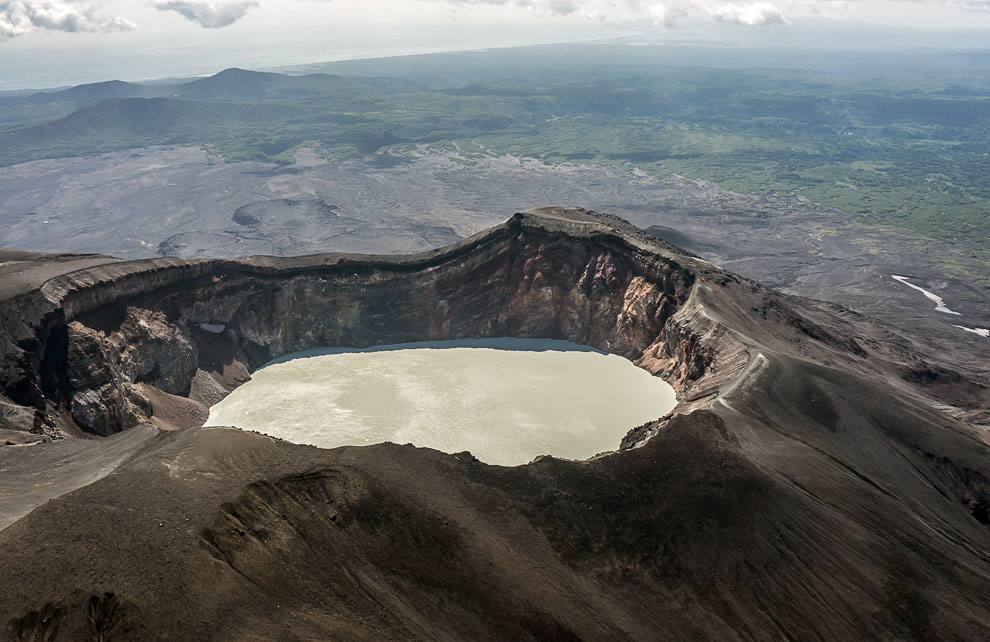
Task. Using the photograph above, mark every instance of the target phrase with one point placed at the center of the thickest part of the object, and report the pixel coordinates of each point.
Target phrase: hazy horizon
(49, 43)
(71, 64)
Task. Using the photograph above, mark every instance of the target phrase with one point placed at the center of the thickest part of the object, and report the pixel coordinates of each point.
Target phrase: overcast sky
(52, 42)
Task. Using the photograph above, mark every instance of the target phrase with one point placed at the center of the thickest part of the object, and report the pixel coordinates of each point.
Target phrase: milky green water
(505, 400)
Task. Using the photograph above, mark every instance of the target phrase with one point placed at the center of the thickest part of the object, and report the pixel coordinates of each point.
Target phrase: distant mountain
(242, 84)
(134, 122)
(91, 93)
(230, 84)
(260, 114)
(123, 116)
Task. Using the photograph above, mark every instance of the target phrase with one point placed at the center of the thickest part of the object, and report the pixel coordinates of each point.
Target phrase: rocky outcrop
(102, 369)
(17, 424)
(15, 417)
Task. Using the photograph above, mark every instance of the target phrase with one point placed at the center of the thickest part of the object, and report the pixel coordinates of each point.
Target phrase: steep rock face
(529, 290)
(103, 401)
(144, 322)
(156, 351)
(102, 369)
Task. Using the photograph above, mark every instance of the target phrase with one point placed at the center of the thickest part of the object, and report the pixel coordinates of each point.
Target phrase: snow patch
(983, 332)
(939, 302)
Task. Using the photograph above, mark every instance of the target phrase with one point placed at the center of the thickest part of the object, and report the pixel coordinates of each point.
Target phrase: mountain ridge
(229, 84)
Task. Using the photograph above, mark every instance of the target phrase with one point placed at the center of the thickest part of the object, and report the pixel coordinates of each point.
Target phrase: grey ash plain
(186, 202)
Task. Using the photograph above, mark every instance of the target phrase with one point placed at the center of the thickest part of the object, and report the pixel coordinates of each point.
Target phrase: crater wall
(124, 342)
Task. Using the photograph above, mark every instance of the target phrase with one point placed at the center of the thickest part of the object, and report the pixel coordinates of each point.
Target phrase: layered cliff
(816, 480)
(178, 326)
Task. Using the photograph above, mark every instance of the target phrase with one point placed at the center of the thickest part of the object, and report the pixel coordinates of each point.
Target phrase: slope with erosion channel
(810, 485)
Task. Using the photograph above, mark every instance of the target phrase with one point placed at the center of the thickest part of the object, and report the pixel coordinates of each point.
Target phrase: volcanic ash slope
(822, 478)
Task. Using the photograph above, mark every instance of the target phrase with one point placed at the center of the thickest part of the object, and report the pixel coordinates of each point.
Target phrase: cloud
(982, 6)
(751, 15)
(667, 13)
(19, 17)
(208, 14)
(555, 7)
(663, 12)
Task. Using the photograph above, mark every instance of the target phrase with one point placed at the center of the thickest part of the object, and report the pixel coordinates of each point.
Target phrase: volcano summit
(821, 478)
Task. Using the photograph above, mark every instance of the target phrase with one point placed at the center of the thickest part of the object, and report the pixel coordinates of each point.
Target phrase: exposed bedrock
(184, 327)
(816, 482)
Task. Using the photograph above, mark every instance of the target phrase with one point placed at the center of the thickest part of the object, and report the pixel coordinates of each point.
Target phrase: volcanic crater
(822, 476)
